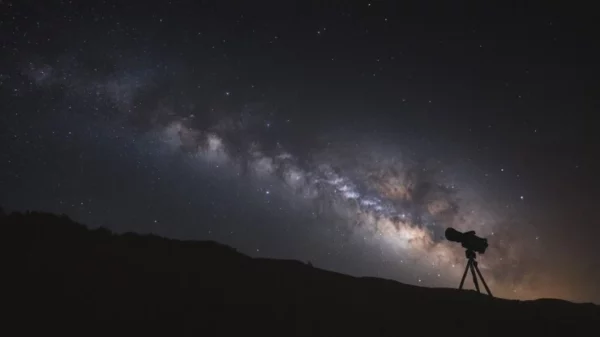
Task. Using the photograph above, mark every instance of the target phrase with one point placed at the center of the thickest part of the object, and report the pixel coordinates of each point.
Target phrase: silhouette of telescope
(468, 240)
(472, 243)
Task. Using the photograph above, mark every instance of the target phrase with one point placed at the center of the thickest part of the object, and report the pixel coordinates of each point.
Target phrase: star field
(348, 135)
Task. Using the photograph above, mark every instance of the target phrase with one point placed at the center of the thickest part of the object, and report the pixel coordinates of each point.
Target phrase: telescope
(468, 240)
(472, 243)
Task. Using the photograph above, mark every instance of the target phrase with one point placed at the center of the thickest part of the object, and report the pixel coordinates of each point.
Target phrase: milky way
(382, 196)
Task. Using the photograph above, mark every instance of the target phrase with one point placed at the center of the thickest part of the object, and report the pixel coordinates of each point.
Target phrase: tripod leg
(462, 281)
(473, 266)
(483, 281)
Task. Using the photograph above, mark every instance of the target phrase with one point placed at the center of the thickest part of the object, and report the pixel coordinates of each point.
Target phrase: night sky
(348, 135)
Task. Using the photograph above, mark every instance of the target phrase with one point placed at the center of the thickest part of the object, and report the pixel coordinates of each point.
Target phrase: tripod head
(470, 254)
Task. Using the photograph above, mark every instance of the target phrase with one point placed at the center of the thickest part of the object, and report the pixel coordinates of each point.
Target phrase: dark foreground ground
(65, 278)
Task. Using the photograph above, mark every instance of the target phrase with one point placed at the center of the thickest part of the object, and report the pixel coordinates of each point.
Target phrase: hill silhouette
(64, 277)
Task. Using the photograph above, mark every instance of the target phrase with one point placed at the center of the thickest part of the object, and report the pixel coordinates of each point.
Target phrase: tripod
(472, 264)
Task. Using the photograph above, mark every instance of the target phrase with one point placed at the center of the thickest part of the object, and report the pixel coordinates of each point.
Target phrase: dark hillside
(66, 278)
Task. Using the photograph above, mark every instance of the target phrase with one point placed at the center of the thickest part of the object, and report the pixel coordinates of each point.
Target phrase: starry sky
(347, 134)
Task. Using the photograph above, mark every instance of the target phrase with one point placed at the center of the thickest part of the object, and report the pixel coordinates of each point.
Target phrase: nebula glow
(390, 200)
